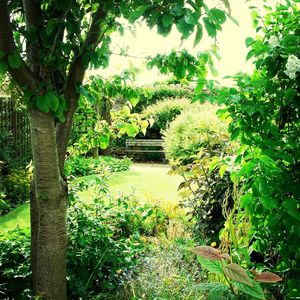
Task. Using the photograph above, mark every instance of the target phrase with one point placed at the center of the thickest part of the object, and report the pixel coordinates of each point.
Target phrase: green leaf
(43, 103)
(217, 15)
(3, 68)
(222, 170)
(177, 10)
(246, 200)
(2, 54)
(290, 40)
(199, 35)
(250, 54)
(180, 71)
(272, 220)
(213, 266)
(200, 84)
(262, 186)
(189, 19)
(131, 130)
(138, 13)
(184, 28)
(268, 202)
(214, 163)
(217, 292)
(167, 20)
(54, 102)
(210, 27)
(134, 101)
(291, 206)
(255, 290)
(237, 273)
(104, 141)
(14, 61)
(249, 41)
(235, 133)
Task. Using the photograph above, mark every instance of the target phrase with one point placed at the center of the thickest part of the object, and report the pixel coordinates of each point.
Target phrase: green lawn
(17, 217)
(149, 182)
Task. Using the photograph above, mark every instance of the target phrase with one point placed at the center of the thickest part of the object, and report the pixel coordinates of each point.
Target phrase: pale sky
(146, 42)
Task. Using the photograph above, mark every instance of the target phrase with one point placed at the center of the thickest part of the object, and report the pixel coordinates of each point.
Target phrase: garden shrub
(193, 130)
(165, 111)
(15, 272)
(152, 95)
(106, 240)
(194, 143)
(17, 185)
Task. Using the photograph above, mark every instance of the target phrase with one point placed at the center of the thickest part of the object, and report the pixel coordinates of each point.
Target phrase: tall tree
(46, 46)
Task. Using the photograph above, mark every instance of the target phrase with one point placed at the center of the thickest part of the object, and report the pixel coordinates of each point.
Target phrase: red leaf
(267, 277)
(207, 252)
(225, 255)
(237, 273)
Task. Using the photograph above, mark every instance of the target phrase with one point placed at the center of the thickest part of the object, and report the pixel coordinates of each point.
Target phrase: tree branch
(74, 79)
(23, 76)
(34, 21)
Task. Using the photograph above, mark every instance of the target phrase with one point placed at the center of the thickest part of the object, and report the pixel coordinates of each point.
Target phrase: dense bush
(106, 240)
(152, 95)
(194, 143)
(164, 112)
(81, 166)
(193, 130)
(17, 185)
(15, 272)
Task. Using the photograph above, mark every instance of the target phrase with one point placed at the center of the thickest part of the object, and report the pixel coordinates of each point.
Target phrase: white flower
(273, 41)
(292, 66)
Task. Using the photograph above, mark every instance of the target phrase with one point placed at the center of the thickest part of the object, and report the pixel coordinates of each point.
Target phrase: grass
(150, 182)
(17, 217)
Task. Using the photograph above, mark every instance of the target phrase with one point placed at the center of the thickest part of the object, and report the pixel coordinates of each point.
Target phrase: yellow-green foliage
(17, 184)
(196, 128)
(165, 111)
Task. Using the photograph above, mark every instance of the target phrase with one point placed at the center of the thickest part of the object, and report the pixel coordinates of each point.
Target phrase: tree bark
(49, 208)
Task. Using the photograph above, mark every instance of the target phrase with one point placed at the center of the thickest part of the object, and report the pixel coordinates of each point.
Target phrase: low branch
(23, 76)
(74, 79)
(34, 21)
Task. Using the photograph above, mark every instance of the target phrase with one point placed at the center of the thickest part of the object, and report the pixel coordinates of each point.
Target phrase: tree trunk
(48, 212)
